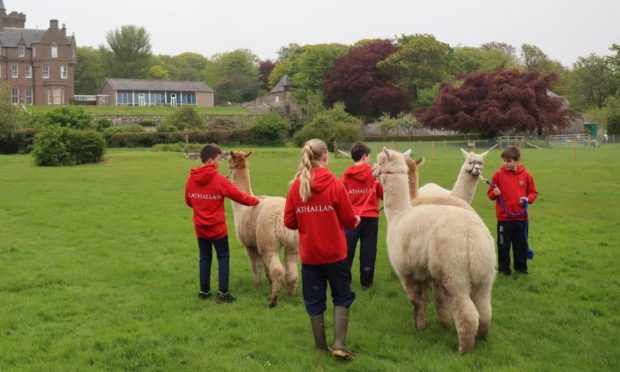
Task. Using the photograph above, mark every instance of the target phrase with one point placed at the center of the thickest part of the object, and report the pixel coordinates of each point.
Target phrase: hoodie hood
(359, 172)
(321, 178)
(520, 169)
(204, 174)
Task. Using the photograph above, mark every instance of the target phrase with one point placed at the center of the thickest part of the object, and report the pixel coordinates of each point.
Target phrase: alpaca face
(237, 159)
(389, 162)
(474, 163)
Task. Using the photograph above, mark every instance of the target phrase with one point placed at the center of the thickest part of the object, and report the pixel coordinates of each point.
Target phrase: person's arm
(290, 217)
(379, 189)
(188, 201)
(493, 191)
(531, 192)
(232, 192)
(344, 209)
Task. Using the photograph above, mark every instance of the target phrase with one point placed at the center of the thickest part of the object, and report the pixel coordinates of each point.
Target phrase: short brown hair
(511, 153)
(209, 152)
(358, 150)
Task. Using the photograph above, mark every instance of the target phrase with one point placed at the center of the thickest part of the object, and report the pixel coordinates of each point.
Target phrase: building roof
(11, 36)
(283, 85)
(2, 5)
(159, 85)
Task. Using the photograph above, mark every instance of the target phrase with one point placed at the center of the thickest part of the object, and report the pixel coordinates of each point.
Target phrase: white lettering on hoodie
(314, 209)
(360, 191)
(197, 195)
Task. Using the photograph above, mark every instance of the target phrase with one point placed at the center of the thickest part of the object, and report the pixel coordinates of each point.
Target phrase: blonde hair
(312, 151)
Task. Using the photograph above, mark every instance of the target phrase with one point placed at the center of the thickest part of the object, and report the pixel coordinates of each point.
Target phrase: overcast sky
(564, 30)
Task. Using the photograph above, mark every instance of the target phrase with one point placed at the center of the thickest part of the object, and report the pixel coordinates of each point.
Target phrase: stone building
(38, 65)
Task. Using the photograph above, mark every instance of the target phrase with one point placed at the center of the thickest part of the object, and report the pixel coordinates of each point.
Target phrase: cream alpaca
(438, 241)
(262, 232)
(465, 186)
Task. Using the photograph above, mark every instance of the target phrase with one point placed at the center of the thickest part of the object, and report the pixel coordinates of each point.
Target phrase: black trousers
(366, 232)
(223, 263)
(512, 233)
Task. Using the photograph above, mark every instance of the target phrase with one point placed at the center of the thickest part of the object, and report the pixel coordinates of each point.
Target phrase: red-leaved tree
(503, 101)
(265, 67)
(356, 81)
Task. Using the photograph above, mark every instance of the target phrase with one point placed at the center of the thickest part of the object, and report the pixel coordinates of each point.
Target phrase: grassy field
(146, 111)
(98, 271)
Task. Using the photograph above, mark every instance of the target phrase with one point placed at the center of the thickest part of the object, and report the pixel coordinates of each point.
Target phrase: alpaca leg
(276, 273)
(465, 318)
(257, 264)
(481, 296)
(416, 291)
(291, 272)
(441, 303)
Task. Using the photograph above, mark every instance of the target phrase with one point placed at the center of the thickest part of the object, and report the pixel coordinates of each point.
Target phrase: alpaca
(465, 186)
(262, 232)
(435, 242)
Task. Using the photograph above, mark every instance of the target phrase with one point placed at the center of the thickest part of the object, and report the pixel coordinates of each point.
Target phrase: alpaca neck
(465, 186)
(412, 177)
(241, 179)
(396, 196)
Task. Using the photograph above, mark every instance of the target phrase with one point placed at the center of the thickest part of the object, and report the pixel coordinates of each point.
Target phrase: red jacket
(363, 190)
(320, 220)
(512, 186)
(205, 190)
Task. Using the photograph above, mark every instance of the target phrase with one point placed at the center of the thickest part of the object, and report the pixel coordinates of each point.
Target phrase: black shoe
(505, 272)
(366, 287)
(224, 297)
(204, 295)
(522, 272)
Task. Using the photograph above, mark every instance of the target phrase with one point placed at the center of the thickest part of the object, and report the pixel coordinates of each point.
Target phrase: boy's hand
(523, 200)
(357, 220)
(496, 191)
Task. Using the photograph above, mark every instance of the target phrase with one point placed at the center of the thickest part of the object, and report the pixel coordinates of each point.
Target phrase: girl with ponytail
(318, 206)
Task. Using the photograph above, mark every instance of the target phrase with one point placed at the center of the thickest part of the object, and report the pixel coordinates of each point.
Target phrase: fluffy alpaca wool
(438, 241)
(262, 232)
(465, 186)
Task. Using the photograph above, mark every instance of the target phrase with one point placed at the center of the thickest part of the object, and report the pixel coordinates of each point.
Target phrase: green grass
(98, 271)
(150, 110)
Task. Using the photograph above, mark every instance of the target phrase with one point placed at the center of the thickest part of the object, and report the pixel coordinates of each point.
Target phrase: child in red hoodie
(205, 191)
(364, 192)
(318, 206)
(512, 187)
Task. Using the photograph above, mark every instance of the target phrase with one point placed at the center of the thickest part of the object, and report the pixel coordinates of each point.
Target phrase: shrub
(103, 124)
(69, 116)
(166, 128)
(56, 146)
(187, 117)
(329, 126)
(270, 129)
(134, 128)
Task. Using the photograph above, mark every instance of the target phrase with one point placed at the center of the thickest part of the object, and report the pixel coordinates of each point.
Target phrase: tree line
(440, 84)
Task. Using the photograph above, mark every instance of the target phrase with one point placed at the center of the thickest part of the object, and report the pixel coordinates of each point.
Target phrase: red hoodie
(512, 186)
(364, 192)
(320, 220)
(204, 192)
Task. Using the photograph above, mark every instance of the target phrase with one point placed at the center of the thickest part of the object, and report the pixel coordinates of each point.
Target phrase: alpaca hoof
(420, 325)
(273, 301)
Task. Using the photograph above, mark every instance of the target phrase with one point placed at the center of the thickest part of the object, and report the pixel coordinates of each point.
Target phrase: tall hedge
(57, 146)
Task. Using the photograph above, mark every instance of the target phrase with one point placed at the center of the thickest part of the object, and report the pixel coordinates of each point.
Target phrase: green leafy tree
(270, 129)
(89, 70)
(159, 72)
(234, 76)
(506, 49)
(420, 62)
(8, 111)
(590, 81)
(130, 54)
(331, 125)
(186, 117)
(467, 60)
(70, 117)
(534, 59)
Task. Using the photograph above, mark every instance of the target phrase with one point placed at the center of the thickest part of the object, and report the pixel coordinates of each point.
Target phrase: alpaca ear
(420, 161)
(387, 153)
(465, 153)
(247, 154)
(407, 153)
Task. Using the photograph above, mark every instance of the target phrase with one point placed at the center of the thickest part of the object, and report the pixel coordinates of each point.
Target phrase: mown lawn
(98, 271)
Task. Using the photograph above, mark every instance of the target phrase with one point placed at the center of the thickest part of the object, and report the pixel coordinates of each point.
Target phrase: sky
(564, 30)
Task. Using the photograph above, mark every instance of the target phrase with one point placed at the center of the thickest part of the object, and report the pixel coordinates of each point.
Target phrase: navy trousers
(512, 233)
(366, 232)
(223, 263)
(315, 279)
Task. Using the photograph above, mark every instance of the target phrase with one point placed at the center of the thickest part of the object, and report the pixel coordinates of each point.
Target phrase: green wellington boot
(318, 331)
(341, 322)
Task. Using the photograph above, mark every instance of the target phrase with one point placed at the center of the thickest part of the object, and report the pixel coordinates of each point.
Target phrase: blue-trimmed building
(137, 92)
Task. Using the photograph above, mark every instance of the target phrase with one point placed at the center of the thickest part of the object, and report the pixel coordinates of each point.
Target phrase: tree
(130, 52)
(89, 70)
(265, 68)
(467, 60)
(590, 80)
(500, 101)
(419, 63)
(8, 111)
(534, 59)
(365, 91)
(508, 50)
(233, 76)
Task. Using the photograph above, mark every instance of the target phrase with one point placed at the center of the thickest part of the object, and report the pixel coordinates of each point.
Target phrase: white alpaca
(262, 232)
(465, 186)
(438, 241)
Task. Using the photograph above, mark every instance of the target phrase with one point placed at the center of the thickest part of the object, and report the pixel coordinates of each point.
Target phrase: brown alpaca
(439, 241)
(262, 232)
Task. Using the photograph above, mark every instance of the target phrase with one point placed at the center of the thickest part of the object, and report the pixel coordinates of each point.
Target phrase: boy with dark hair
(513, 189)
(205, 191)
(364, 192)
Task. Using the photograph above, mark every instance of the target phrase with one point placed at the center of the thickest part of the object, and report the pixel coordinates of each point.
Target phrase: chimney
(64, 30)
(53, 24)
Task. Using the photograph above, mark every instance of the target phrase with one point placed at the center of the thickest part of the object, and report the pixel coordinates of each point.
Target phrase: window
(29, 96)
(21, 51)
(28, 71)
(14, 96)
(64, 71)
(46, 71)
(14, 70)
(34, 51)
(54, 52)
